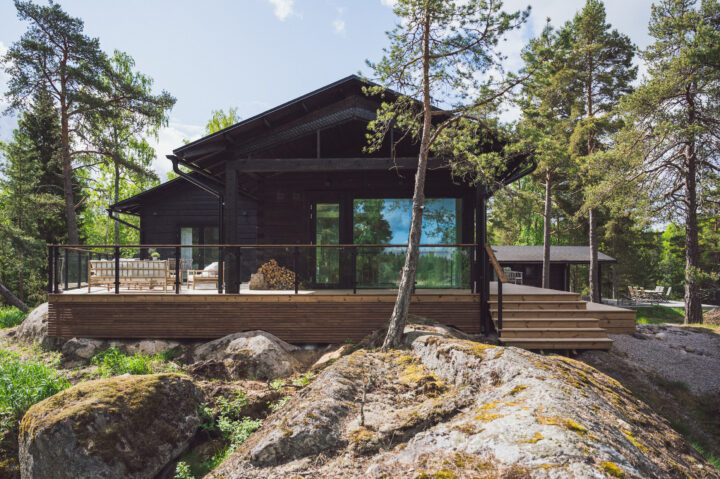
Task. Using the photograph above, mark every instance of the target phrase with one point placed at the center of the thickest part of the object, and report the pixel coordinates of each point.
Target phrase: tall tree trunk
(12, 299)
(73, 236)
(594, 280)
(394, 336)
(116, 199)
(693, 305)
(546, 230)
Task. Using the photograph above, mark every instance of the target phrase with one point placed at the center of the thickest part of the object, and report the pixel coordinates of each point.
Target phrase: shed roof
(558, 254)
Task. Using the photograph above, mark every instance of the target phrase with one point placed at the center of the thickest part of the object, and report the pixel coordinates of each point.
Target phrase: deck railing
(500, 280)
(296, 267)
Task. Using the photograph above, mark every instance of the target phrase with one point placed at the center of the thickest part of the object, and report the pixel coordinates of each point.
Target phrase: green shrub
(277, 384)
(113, 362)
(303, 380)
(225, 422)
(182, 471)
(11, 316)
(279, 404)
(22, 384)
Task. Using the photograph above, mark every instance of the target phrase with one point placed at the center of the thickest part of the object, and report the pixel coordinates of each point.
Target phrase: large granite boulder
(451, 407)
(249, 355)
(120, 427)
(34, 330)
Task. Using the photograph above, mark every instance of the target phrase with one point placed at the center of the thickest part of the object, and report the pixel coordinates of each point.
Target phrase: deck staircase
(550, 321)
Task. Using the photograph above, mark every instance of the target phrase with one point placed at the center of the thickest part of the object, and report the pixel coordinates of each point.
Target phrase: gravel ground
(674, 353)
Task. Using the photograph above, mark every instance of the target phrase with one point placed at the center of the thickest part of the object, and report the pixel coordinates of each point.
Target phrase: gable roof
(258, 125)
(558, 254)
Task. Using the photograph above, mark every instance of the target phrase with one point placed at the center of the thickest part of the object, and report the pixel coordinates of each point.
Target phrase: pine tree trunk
(546, 230)
(116, 199)
(73, 236)
(594, 280)
(693, 305)
(394, 336)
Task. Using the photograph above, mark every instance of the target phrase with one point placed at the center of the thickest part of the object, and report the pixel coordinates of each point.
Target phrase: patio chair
(666, 296)
(209, 275)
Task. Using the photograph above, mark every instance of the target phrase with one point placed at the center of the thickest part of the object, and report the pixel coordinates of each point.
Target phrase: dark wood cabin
(528, 261)
(295, 184)
(274, 175)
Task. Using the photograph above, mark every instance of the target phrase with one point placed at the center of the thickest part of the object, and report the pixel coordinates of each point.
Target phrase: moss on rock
(126, 424)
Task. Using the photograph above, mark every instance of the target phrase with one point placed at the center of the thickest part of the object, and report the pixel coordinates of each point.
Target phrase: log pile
(276, 276)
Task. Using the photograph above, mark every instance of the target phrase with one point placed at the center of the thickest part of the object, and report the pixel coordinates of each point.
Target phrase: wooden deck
(324, 316)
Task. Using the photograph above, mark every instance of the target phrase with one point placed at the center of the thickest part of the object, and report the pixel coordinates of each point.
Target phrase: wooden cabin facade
(287, 181)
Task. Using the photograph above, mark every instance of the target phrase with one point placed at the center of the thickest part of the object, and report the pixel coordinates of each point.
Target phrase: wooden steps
(559, 343)
(512, 333)
(554, 322)
(544, 304)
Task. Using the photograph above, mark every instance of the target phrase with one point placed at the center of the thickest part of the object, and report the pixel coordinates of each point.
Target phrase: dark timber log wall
(300, 319)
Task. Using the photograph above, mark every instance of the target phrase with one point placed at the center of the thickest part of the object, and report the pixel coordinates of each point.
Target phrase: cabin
(525, 264)
(293, 192)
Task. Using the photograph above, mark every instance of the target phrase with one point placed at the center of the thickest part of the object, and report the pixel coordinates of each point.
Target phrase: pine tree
(673, 126)
(440, 50)
(598, 72)
(56, 55)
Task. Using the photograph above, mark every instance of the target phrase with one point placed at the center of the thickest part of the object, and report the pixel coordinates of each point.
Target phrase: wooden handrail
(456, 245)
(493, 260)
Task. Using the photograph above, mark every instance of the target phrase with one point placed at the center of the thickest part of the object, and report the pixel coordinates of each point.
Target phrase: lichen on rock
(125, 426)
(488, 414)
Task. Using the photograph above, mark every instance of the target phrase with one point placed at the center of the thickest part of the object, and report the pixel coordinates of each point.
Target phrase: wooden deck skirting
(313, 318)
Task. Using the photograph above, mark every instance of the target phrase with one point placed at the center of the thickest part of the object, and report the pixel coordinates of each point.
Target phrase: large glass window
(199, 235)
(327, 231)
(387, 221)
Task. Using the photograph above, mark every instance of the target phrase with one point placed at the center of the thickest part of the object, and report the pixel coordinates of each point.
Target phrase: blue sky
(255, 54)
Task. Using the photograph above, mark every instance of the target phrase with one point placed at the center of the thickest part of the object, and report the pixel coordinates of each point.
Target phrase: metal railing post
(354, 268)
(296, 253)
(178, 273)
(238, 267)
(66, 266)
(51, 267)
(221, 268)
(500, 306)
(56, 273)
(79, 275)
(117, 269)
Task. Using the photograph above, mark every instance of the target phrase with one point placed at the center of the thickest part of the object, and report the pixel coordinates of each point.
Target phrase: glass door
(327, 232)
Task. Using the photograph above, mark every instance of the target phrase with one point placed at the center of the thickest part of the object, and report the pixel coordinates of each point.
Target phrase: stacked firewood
(276, 276)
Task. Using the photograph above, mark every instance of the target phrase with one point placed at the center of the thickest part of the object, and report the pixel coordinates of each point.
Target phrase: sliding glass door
(327, 232)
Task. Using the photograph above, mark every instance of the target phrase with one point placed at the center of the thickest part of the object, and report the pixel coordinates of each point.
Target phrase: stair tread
(559, 330)
(564, 318)
(540, 301)
(555, 340)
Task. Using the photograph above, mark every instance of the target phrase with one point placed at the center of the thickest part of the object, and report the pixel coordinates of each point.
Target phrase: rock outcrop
(121, 427)
(80, 350)
(249, 355)
(34, 329)
(450, 407)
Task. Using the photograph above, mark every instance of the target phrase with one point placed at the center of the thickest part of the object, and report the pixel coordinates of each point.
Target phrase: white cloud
(283, 8)
(171, 137)
(339, 24)
(389, 3)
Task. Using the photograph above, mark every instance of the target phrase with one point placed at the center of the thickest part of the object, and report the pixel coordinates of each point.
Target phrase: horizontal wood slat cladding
(298, 319)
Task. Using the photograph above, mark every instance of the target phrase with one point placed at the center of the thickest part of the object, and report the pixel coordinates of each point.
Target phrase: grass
(657, 314)
(113, 362)
(704, 410)
(22, 384)
(11, 316)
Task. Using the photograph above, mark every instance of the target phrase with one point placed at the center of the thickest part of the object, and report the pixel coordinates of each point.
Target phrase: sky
(256, 54)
